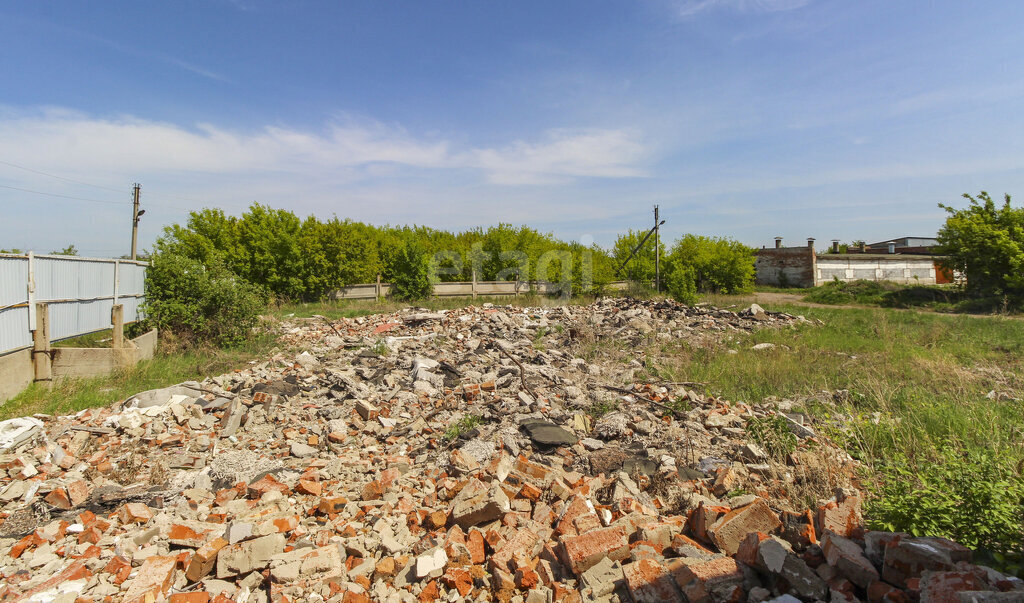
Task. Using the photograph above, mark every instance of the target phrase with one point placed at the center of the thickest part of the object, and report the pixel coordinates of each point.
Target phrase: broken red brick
(650, 582)
(586, 550)
(153, 580)
(730, 529)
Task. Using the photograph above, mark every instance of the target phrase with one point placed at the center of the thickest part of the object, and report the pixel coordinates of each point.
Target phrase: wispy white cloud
(75, 143)
(690, 8)
(564, 155)
(213, 75)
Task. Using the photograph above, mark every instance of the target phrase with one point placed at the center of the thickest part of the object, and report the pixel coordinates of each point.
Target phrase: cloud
(193, 68)
(69, 142)
(564, 155)
(690, 8)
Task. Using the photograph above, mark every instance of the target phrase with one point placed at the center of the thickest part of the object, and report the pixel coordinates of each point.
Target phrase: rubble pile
(484, 453)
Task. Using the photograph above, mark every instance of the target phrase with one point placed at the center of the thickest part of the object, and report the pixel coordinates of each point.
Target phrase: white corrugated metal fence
(80, 293)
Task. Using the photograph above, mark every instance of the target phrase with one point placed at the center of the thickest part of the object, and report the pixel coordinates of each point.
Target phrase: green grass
(167, 368)
(917, 386)
(940, 298)
(99, 339)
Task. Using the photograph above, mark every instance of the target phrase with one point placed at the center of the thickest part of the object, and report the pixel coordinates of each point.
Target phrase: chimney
(810, 242)
(835, 245)
(892, 247)
(778, 242)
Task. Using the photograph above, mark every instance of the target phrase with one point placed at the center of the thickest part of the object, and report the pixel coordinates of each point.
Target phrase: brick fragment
(716, 580)
(729, 530)
(847, 557)
(942, 587)
(59, 498)
(650, 582)
(907, 558)
(582, 552)
(135, 513)
(153, 580)
(841, 516)
(204, 559)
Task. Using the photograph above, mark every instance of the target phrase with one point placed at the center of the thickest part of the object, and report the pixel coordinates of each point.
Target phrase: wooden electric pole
(135, 219)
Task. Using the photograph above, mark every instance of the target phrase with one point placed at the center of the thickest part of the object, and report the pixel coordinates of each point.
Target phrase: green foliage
(463, 425)
(308, 259)
(380, 348)
(201, 303)
(986, 243)
(773, 434)
(410, 280)
(971, 495)
(894, 295)
(718, 265)
(641, 268)
(13, 251)
(69, 250)
(677, 405)
(681, 283)
(599, 408)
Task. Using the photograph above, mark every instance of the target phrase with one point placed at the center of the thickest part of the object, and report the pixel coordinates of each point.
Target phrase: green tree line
(309, 258)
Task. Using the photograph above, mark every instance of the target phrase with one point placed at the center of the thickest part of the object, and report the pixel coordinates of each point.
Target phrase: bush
(411, 278)
(986, 243)
(681, 284)
(718, 265)
(973, 496)
(201, 303)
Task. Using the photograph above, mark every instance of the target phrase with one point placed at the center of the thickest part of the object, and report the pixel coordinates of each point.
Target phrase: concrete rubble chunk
(482, 504)
(247, 556)
(847, 557)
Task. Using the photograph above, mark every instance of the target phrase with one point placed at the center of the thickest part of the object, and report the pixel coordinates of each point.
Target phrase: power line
(28, 169)
(25, 190)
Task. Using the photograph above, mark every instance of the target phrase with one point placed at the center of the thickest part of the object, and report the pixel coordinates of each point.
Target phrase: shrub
(973, 496)
(411, 278)
(719, 265)
(681, 283)
(201, 302)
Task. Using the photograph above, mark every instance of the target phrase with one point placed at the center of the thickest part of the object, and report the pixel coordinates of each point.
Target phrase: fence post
(31, 288)
(117, 326)
(41, 344)
(474, 283)
(376, 291)
(117, 281)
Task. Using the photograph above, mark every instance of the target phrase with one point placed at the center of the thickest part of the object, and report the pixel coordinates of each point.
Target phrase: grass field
(943, 454)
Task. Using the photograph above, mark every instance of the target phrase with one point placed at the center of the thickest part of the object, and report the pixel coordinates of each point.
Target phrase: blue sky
(740, 118)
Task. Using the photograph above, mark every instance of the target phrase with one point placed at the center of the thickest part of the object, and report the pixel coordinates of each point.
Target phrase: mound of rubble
(484, 453)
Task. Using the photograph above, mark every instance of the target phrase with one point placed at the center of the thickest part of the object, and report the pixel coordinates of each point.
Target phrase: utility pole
(657, 252)
(135, 218)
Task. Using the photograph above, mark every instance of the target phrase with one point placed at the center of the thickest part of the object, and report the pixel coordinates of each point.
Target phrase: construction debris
(484, 453)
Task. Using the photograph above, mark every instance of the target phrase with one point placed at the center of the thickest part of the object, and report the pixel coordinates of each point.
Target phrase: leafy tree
(411, 279)
(718, 265)
(13, 250)
(641, 267)
(986, 243)
(310, 258)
